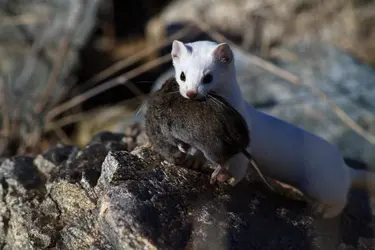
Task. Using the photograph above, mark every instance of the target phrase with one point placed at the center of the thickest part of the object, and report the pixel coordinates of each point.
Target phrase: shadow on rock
(135, 200)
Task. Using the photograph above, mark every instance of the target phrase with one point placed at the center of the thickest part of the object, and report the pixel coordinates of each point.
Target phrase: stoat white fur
(283, 151)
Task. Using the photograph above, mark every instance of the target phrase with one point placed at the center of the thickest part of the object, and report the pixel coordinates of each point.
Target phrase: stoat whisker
(220, 103)
(214, 94)
(174, 92)
(142, 106)
(139, 110)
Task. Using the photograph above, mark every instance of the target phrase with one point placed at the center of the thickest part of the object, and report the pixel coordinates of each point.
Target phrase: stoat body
(282, 150)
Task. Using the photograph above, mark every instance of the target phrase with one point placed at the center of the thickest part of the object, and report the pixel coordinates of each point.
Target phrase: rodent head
(201, 67)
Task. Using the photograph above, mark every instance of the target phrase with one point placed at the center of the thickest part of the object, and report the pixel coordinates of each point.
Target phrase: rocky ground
(115, 194)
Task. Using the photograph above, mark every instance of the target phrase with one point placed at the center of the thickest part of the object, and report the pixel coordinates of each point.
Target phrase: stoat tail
(362, 179)
(255, 166)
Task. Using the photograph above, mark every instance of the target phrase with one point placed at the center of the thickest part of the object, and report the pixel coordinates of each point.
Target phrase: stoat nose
(191, 94)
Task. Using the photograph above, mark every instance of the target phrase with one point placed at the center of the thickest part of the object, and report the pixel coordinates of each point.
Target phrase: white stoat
(283, 151)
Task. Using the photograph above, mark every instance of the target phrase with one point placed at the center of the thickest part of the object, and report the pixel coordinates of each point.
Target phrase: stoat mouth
(199, 97)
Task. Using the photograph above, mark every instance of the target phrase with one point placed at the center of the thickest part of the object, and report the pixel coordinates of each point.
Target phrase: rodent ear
(177, 49)
(223, 53)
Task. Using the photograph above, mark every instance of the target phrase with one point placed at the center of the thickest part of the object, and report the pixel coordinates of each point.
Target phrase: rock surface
(105, 197)
(347, 82)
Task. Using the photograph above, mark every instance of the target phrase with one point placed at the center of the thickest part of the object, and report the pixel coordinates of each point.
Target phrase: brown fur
(210, 125)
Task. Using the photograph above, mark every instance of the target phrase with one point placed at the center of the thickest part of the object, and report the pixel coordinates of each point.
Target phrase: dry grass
(48, 37)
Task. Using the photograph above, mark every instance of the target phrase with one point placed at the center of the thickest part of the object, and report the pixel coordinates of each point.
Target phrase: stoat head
(201, 66)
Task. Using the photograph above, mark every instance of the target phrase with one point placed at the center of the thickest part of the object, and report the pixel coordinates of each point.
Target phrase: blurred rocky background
(75, 68)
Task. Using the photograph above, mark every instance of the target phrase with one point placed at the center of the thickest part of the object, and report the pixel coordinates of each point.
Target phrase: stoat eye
(207, 79)
(182, 76)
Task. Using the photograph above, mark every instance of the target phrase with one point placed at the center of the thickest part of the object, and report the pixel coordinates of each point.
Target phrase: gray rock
(27, 220)
(54, 156)
(4, 216)
(59, 153)
(140, 201)
(346, 81)
(39, 211)
(145, 208)
(86, 167)
(115, 170)
(20, 174)
(83, 233)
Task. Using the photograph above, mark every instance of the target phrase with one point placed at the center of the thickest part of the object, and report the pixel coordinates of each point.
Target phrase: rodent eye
(182, 76)
(207, 78)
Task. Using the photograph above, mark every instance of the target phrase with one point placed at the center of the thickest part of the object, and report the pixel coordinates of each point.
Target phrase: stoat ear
(178, 48)
(223, 53)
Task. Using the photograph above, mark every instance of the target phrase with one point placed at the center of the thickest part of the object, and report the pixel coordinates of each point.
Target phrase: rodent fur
(209, 125)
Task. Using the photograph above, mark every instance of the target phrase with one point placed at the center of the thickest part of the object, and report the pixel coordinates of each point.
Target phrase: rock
(115, 170)
(86, 167)
(59, 153)
(25, 222)
(347, 82)
(4, 215)
(41, 210)
(145, 212)
(140, 201)
(106, 136)
(20, 174)
(82, 233)
(54, 156)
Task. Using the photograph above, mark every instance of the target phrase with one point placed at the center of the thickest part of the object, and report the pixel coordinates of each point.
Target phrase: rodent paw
(177, 159)
(232, 181)
(194, 162)
(221, 175)
(184, 148)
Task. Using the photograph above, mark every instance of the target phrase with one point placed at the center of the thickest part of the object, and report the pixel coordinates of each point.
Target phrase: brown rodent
(209, 126)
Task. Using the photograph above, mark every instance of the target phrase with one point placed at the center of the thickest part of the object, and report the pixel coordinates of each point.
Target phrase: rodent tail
(255, 166)
(362, 179)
